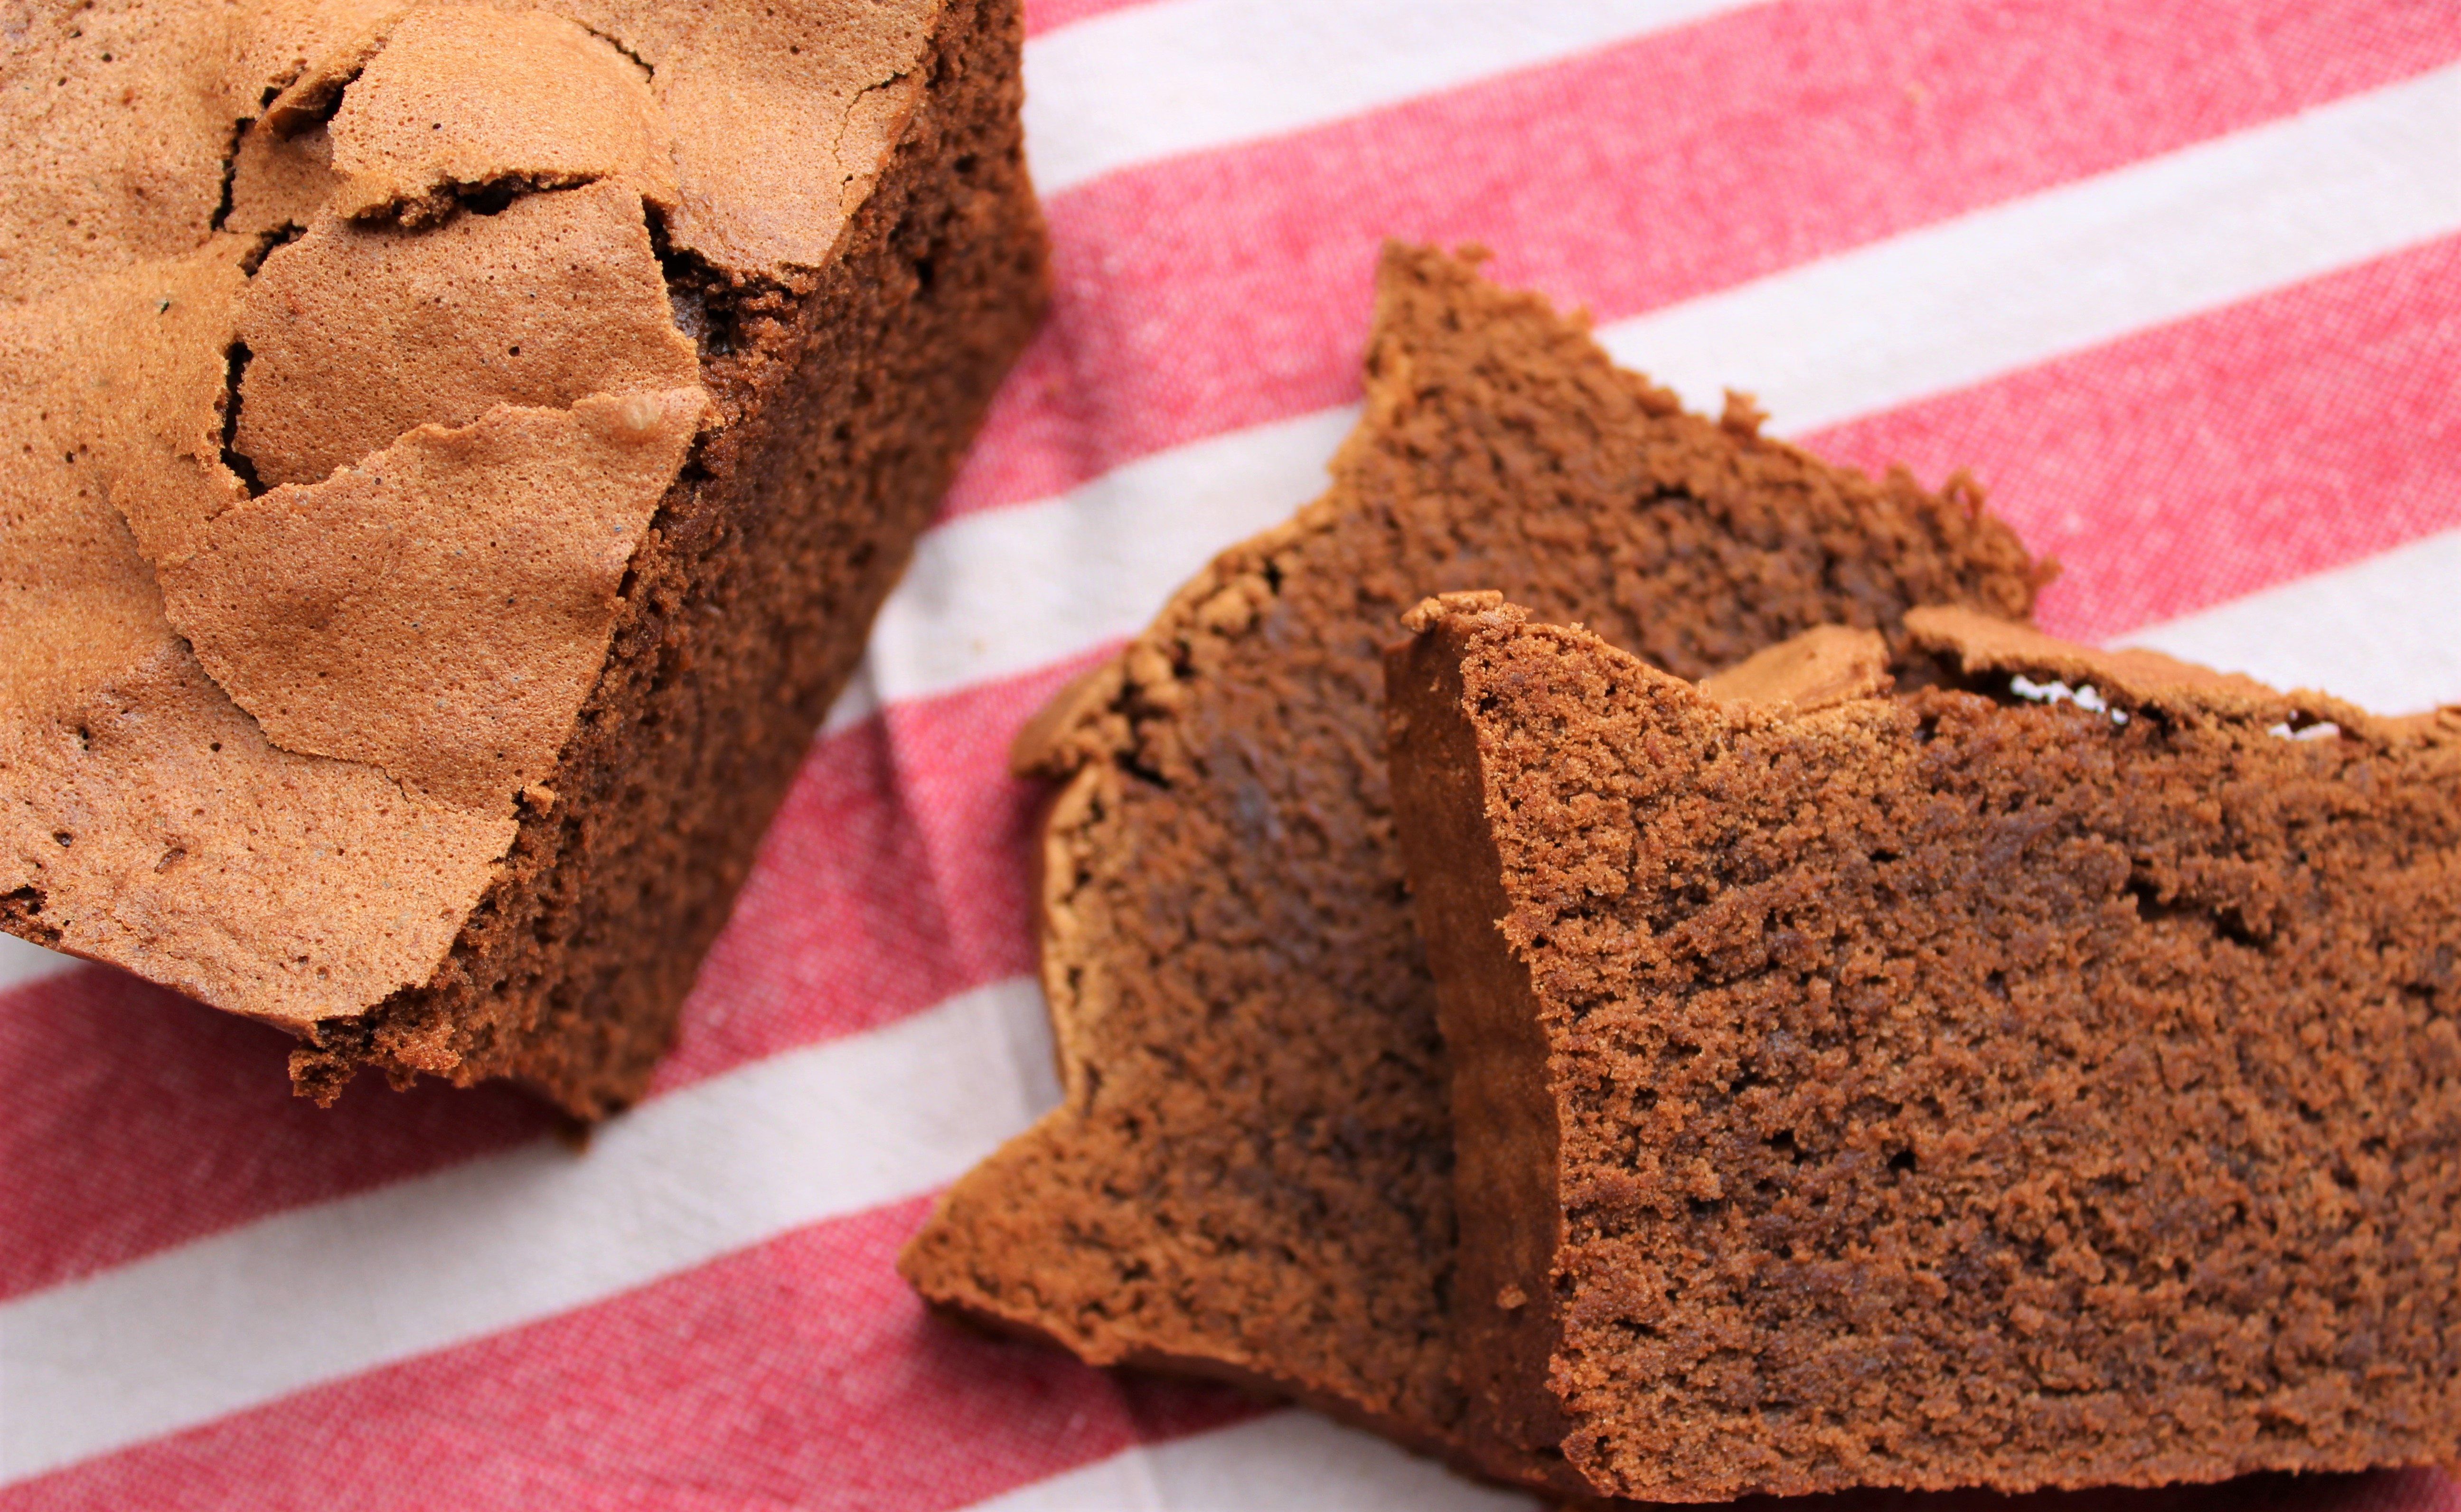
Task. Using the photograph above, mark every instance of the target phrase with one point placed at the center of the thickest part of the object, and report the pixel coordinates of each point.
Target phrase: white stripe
(2384, 633)
(1286, 1459)
(2072, 268)
(281, 1304)
(24, 962)
(1004, 591)
(1183, 76)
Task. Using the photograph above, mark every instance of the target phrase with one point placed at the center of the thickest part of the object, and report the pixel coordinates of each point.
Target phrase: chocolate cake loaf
(2049, 1077)
(1250, 1174)
(453, 454)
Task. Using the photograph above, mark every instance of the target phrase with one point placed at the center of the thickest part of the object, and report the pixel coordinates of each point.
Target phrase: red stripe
(1050, 15)
(136, 1118)
(800, 1372)
(2206, 460)
(1227, 288)
(897, 875)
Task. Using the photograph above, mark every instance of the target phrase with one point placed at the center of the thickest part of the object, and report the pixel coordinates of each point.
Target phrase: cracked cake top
(347, 367)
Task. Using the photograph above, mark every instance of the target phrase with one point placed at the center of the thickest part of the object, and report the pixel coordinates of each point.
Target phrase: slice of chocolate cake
(454, 454)
(1251, 1176)
(2047, 1080)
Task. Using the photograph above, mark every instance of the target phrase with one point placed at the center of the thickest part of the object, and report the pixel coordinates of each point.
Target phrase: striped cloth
(2180, 281)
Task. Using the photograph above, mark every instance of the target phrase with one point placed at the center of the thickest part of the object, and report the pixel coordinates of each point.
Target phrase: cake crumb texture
(1951, 1088)
(1250, 1174)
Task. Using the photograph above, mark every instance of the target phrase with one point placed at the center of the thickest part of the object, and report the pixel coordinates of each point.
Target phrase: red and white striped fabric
(2180, 281)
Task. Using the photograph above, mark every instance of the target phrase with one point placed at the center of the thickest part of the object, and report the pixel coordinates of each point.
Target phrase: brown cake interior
(1942, 1089)
(1250, 1174)
(856, 387)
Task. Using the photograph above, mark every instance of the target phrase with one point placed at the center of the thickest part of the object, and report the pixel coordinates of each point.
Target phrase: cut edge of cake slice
(1789, 1017)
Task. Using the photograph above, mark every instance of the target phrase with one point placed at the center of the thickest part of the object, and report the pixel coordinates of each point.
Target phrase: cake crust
(1942, 1089)
(470, 795)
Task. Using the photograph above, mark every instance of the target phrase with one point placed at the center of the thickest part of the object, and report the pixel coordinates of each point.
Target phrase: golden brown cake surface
(389, 389)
